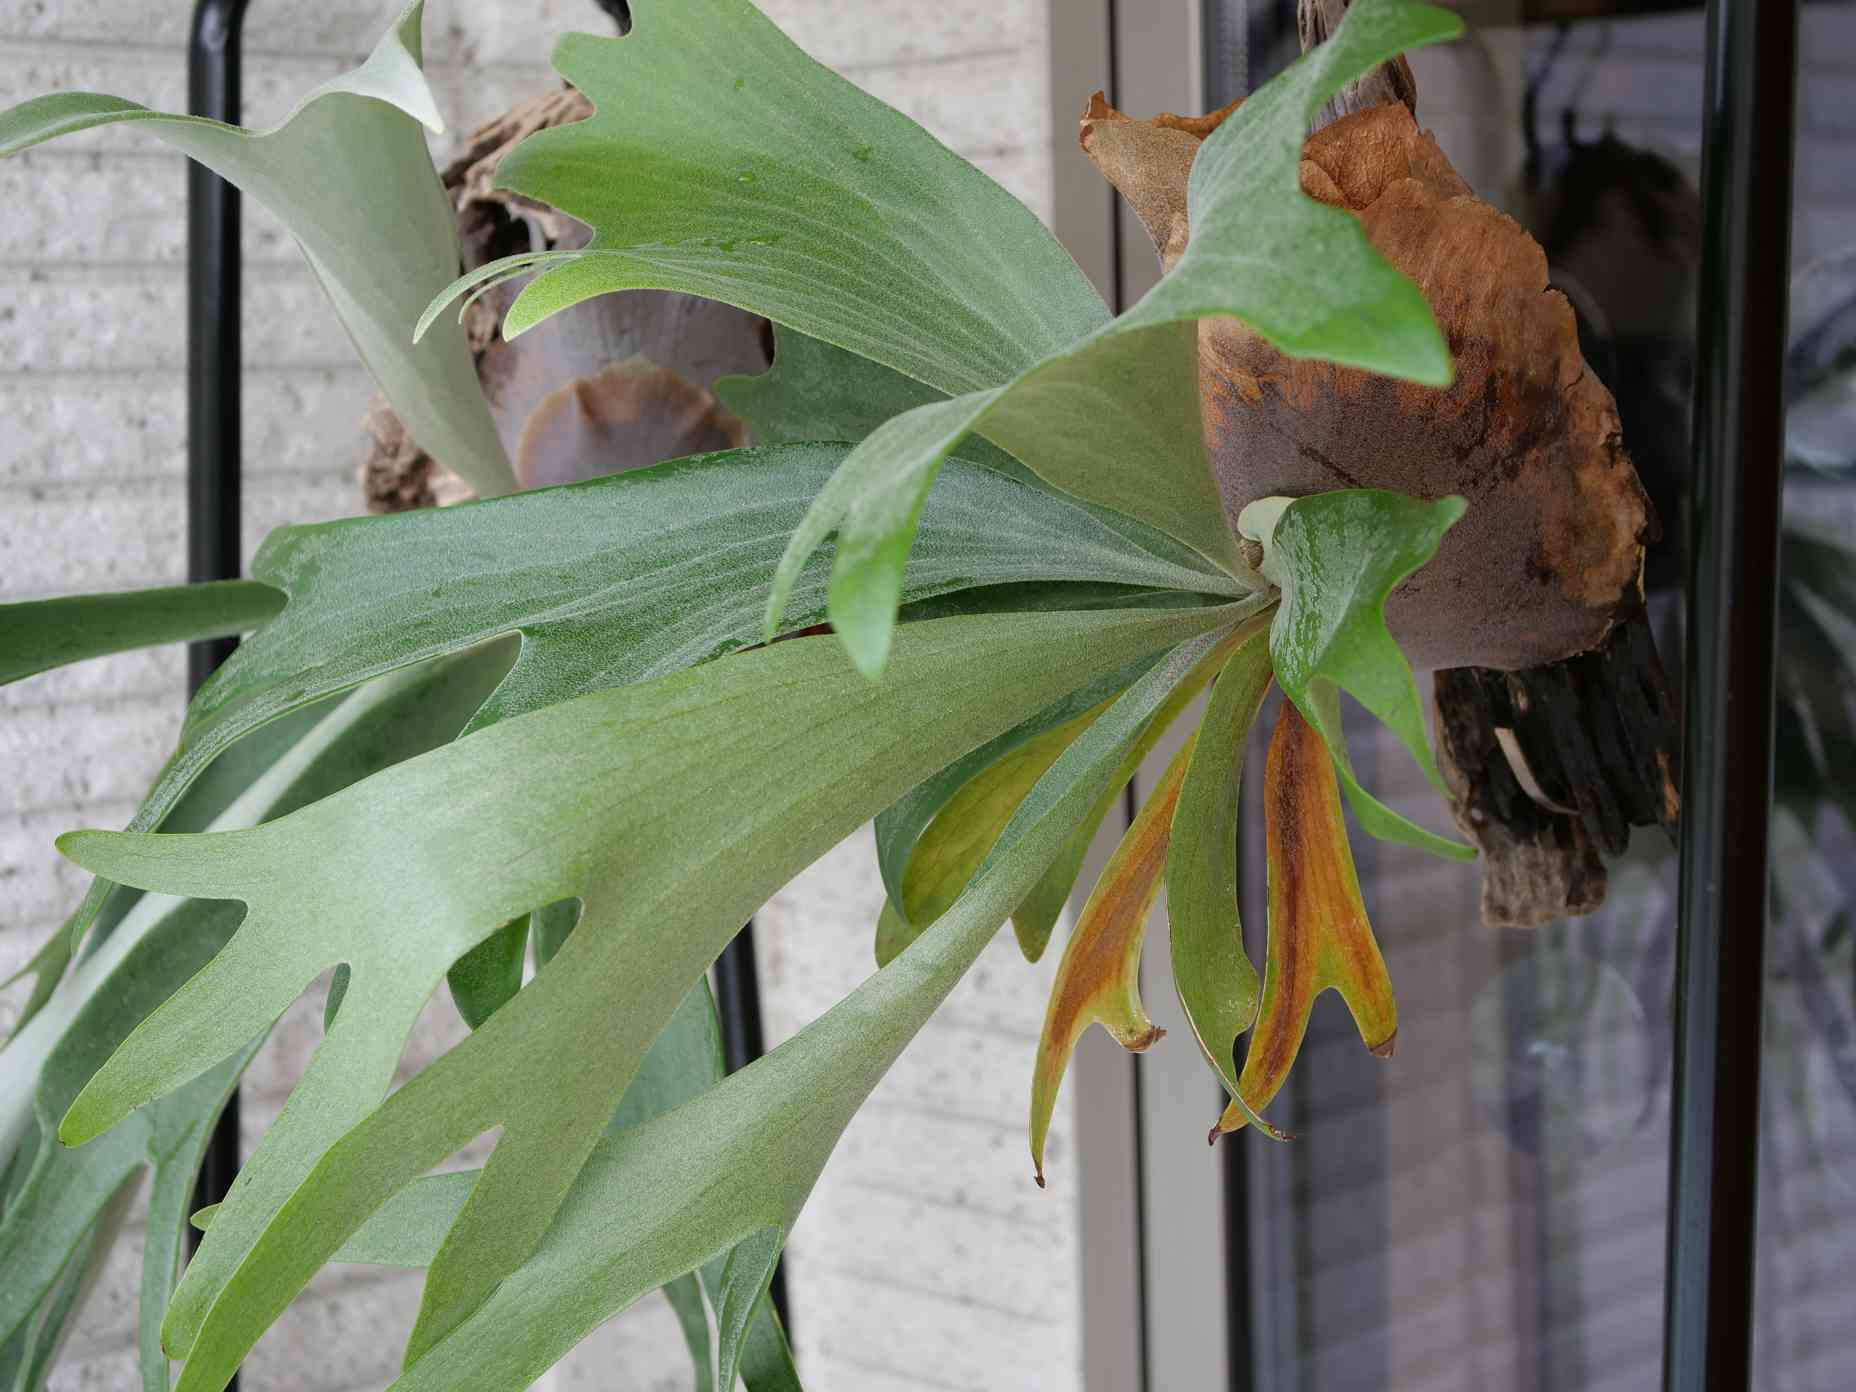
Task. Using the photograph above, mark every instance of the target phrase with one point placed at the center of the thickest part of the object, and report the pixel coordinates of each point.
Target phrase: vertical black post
(737, 1001)
(213, 463)
(214, 470)
(213, 409)
(1728, 708)
(1229, 74)
(1118, 301)
(737, 998)
(1240, 1337)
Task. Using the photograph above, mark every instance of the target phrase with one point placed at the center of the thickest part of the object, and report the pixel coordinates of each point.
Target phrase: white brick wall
(928, 1259)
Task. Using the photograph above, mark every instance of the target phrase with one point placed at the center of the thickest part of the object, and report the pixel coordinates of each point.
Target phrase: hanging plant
(605, 717)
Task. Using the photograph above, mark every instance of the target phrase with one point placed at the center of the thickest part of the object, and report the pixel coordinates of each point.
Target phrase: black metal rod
(1239, 1300)
(1225, 25)
(1728, 709)
(737, 997)
(213, 406)
(737, 1000)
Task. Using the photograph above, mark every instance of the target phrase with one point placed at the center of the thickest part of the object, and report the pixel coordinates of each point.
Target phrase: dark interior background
(1490, 1211)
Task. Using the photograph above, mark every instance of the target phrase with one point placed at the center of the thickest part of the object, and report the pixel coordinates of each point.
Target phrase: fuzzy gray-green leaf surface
(1113, 416)
(740, 1160)
(608, 582)
(38, 635)
(633, 800)
(157, 945)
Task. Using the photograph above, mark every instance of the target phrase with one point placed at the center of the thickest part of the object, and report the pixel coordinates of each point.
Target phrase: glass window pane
(1488, 1208)
(1807, 1156)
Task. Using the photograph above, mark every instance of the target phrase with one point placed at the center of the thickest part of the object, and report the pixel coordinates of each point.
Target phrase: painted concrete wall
(928, 1260)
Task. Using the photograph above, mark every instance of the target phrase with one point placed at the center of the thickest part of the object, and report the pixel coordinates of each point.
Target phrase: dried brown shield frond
(1552, 547)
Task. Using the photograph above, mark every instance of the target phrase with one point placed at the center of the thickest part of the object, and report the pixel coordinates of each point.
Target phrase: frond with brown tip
(1098, 981)
(1319, 936)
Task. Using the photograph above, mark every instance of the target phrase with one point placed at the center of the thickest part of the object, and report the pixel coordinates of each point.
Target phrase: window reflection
(1488, 1210)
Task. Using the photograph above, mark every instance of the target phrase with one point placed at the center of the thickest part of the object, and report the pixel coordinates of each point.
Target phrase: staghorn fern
(1002, 501)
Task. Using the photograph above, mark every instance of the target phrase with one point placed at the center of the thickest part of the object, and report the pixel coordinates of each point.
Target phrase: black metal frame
(1727, 757)
(1224, 83)
(1746, 187)
(1733, 554)
(215, 475)
(737, 1001)
(214, 467)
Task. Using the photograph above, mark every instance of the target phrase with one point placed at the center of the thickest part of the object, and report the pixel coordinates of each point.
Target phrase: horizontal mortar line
(96, 1348)
(100, 1348)
(992, 150)
(159, 375)
(178, 368)
(85, 492)
(84, 698)
(936, 60)
(306, 57)
(55, 153)
(439, 67)
(942, 1114)
(89, 807)
(968, 1302)
(49, 272)
(36, 928)
(53, 906)
(98, 806)
(155, 153)
(172, 48)
(169, 480)
(915, 1196)
(108, 706)
(866, 1365)
(90, 702)
(82, 816)
(177, 265)
(978, 1024)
